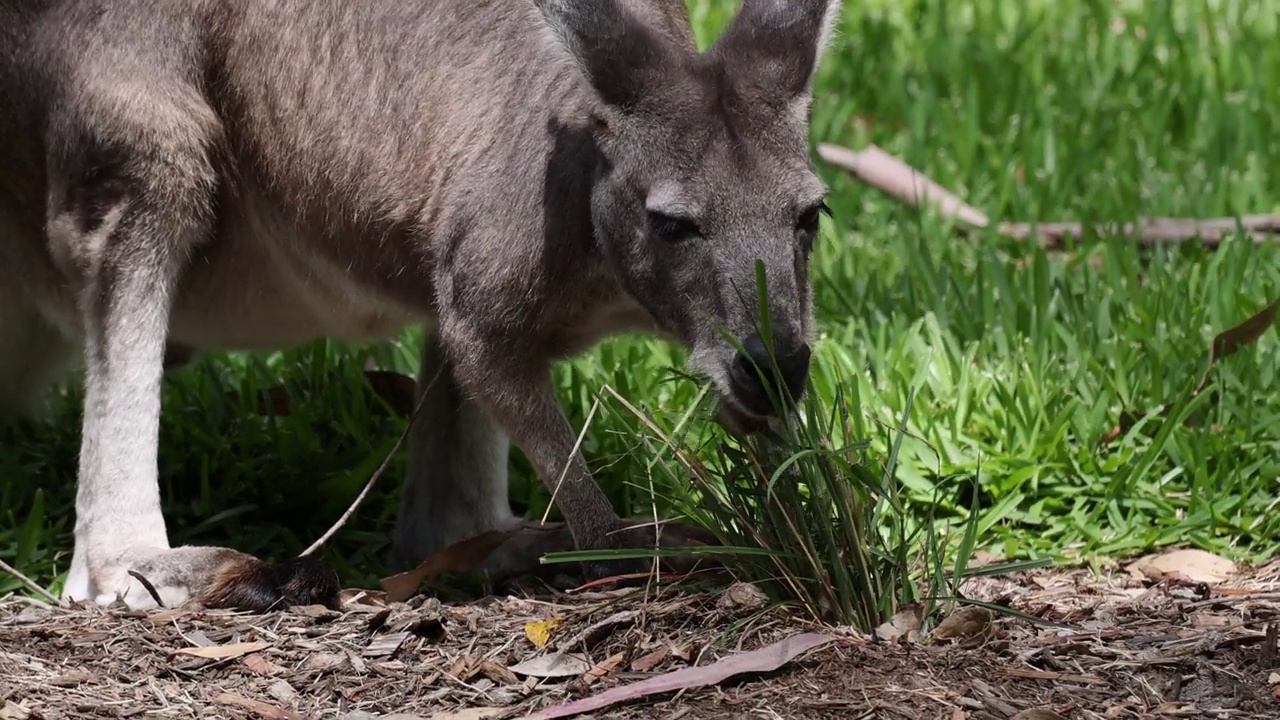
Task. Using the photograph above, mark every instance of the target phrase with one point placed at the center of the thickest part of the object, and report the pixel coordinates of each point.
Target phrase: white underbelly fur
(260, 286)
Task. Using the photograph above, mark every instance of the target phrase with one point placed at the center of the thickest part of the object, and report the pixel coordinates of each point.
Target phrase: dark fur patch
(247, 583)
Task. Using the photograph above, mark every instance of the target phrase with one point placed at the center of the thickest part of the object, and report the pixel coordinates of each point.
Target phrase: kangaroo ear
(775, 45)
(623, 57)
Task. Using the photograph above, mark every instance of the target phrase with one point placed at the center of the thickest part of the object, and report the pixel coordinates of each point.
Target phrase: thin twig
(386, 462)
(914, 189)
(1234, 599)
(28, 582)
(577, 445)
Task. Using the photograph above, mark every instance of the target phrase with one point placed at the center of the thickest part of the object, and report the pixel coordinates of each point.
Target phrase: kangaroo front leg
(128, 217)
(516, 390)
(455, 484)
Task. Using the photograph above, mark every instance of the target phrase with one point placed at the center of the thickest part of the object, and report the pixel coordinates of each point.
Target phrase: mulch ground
(1107, 645)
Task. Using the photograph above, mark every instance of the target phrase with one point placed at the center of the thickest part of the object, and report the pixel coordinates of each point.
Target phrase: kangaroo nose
(792, 366)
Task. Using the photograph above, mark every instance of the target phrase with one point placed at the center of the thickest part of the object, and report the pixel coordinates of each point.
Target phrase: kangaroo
(523, 178)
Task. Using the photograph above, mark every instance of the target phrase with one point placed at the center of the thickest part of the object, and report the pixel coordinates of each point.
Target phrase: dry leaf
(224, 652)
(763, 660)
(904, 623)
(983, 558)
(1273, 679)
(647, 662)
(969, 622)
(1037, 714)
(539, 632)
(398, 390)
(267, 711)
(552, 666)
(479, 713)
(460, 557)
(1191, 563)
(1225, 344)
(13, 711)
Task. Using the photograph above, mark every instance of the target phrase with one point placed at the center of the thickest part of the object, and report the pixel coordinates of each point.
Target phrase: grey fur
(193, 174)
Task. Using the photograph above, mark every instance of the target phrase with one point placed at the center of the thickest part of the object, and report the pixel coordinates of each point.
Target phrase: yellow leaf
(539, 633)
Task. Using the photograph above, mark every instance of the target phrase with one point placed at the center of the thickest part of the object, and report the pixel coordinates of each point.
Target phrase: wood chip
(742, 597)
(603, 668)
(650, 660)
(1061, 677)
(461, 668)
(477, 713)
(267, 711)
(13, 711)
(260, 665)
(324, 661)
(385, 645)
(71, 679)
(498, 673)
(281, 690)
(318, 612)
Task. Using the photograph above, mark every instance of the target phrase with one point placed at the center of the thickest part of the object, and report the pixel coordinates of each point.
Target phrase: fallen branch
(1151, 231)
(902, 182)
(914, 189)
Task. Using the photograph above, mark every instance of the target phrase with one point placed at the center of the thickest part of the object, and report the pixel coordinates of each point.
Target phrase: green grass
(1018, 359)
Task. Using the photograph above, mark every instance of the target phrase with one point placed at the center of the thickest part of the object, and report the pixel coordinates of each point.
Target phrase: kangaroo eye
(673, 229)
(807, 224)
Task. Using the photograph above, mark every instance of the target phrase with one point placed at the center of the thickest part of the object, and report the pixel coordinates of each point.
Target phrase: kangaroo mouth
(738, 420)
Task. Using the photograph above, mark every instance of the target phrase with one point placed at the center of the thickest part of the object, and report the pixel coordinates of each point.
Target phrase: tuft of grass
(805, 509)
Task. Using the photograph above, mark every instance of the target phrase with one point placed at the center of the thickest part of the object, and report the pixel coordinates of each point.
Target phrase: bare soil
(1106, 645)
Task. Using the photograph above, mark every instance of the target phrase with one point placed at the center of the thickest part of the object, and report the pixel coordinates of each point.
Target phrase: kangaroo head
(706, 171)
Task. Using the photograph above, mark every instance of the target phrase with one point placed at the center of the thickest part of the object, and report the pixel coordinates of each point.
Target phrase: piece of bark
(893, 177)
(914, 189)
